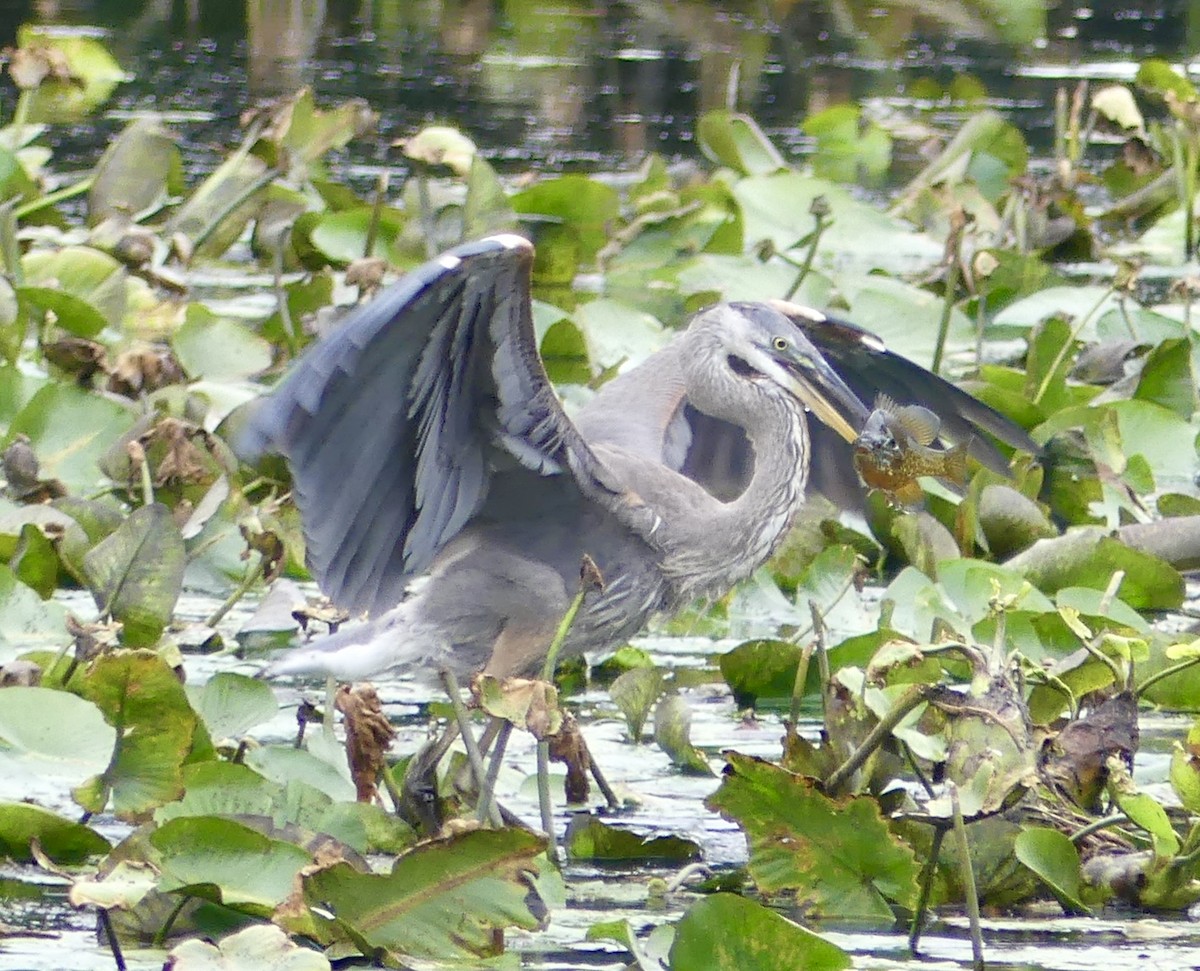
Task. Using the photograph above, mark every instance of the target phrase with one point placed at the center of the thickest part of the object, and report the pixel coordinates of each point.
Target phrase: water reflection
(583, 83)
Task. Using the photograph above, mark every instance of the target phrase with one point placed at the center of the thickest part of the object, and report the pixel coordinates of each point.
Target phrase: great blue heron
(424, 437)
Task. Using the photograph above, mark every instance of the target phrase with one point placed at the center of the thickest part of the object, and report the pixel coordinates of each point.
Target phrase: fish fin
(910, 494)
(921, 423)
(918, 422)
(955, 459)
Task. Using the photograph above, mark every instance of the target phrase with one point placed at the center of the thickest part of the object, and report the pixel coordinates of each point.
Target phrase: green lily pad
(232, 704)
(834, 855)
(62, 840)
(217, 348)
(136, 573)
(84, 288)
(70, 429)
(52, 735)
(222, 860)
(589, 838)
(726, 932)
(588, 205)
(94, 74)
(635, 693)
(442, 899)
(761, 671)
(139, 169)
(141, 699)
(735, 140)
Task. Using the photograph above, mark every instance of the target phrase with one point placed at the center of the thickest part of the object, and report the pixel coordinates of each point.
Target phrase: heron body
(425, 439)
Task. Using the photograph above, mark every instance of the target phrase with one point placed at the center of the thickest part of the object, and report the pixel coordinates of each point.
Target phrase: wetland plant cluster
(991, 703)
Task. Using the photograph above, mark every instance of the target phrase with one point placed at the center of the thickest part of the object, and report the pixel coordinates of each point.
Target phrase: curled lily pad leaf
(672, 733)
(136, 573)
(635, 692)
(441, 145)
(588, 838)
(122, 887)
(726, 932)
(262, 947)
(22, 825)
(1054, 858)
(736, 141)
(1185, 770)
(761, 670)
(136, 173)
(83, 287)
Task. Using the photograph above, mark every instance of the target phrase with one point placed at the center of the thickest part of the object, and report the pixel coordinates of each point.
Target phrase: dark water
(591, 84)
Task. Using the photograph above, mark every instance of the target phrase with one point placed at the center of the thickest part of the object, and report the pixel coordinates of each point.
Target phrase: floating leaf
(726, 932)
(222, 860)
(231, 704)
(217, 348)
(70, 429)
(142, 699)
(84, 288)
(52, 735)
(761, 671)
(587, 205)
(64, 841)
(93, 74)
(589, 838)
(836, 855)
(261, 947)
(442, 899)
(136, 573)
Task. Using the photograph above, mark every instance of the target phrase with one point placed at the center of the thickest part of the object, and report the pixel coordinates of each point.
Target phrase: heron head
(763, 345)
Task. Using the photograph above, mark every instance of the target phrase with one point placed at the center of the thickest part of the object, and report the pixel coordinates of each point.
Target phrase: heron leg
(450, 683)
(487, 791)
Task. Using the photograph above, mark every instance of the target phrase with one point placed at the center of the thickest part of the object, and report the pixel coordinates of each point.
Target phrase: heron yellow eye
(779, 343)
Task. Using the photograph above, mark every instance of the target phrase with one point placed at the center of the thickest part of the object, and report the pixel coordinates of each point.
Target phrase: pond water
(581, 84)
(589, 85)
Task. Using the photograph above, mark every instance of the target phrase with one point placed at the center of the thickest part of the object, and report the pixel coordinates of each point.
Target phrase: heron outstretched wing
(393, 424)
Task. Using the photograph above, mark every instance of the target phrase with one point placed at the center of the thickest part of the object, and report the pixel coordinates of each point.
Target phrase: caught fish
(893, 450)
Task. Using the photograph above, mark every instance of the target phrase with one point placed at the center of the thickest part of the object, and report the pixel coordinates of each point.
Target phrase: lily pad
(588, 838)
(136, 573)
(726, 932)
(262, 947)
(62, 840)
(83, 287)
(231, 704)
(217, 348)
(833, 855)
(442, 899)
(141, 699)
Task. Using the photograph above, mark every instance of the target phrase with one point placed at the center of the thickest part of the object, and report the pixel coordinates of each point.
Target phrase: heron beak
(814, 382)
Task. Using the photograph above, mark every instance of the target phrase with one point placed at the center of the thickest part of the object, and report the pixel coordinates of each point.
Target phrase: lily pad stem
(968, 878)
(1067, 345)
(114, 944)
(544, 807)
(814, 239)
(560, 635)
(914, 696)
(161, 935)
(381, 188)
(927, 872)
(251, 577)
(1158, 676)
(281, 300)
(818, 625)
(806, 654)
(53, 198)
(953, 271)
(1116, 819)
(8, 244)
